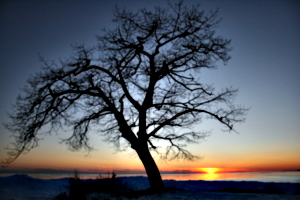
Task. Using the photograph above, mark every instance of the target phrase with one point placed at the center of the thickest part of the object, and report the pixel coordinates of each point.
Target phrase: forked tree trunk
(154, 177)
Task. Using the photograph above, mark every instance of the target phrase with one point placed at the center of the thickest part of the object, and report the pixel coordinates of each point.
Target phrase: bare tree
(139, 83)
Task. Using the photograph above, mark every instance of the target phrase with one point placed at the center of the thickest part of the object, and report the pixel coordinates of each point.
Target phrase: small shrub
(78, 188)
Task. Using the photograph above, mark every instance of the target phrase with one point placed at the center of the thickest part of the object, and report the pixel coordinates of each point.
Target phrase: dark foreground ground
(194, 195)
(22, 187)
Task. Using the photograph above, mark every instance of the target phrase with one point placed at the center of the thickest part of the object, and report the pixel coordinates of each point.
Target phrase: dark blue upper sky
(264, 65)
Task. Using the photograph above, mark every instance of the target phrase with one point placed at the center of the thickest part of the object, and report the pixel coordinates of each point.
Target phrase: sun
(210, 170)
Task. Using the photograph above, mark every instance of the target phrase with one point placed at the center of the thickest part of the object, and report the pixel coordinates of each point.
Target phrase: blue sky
(264, 66)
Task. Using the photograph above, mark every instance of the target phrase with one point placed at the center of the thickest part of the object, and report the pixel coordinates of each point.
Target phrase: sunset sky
(265, 66)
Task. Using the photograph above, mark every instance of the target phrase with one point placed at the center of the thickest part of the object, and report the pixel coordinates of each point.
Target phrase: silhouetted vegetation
(78, 189)
(140, 84)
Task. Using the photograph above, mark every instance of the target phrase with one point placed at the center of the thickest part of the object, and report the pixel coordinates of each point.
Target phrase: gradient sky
(264, 66)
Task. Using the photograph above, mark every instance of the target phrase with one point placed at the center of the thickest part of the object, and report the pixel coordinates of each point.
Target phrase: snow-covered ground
(23, 187)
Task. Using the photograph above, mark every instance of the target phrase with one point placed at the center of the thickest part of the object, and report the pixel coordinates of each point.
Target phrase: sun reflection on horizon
(207, 176)
(210, 176)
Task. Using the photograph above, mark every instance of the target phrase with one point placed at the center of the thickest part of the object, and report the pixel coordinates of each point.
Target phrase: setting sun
(209, 170)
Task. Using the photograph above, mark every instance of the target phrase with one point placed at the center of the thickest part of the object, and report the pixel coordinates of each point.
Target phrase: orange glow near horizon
(102, 162)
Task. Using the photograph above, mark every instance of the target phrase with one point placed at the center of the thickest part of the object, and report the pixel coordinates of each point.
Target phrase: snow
(23, 187)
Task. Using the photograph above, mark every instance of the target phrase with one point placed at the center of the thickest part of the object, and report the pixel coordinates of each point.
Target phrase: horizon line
(56, 171)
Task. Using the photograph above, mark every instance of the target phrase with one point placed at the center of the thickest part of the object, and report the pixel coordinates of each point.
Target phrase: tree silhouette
(139, 85)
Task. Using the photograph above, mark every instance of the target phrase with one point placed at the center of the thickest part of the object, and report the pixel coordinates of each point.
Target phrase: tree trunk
(155, 180)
